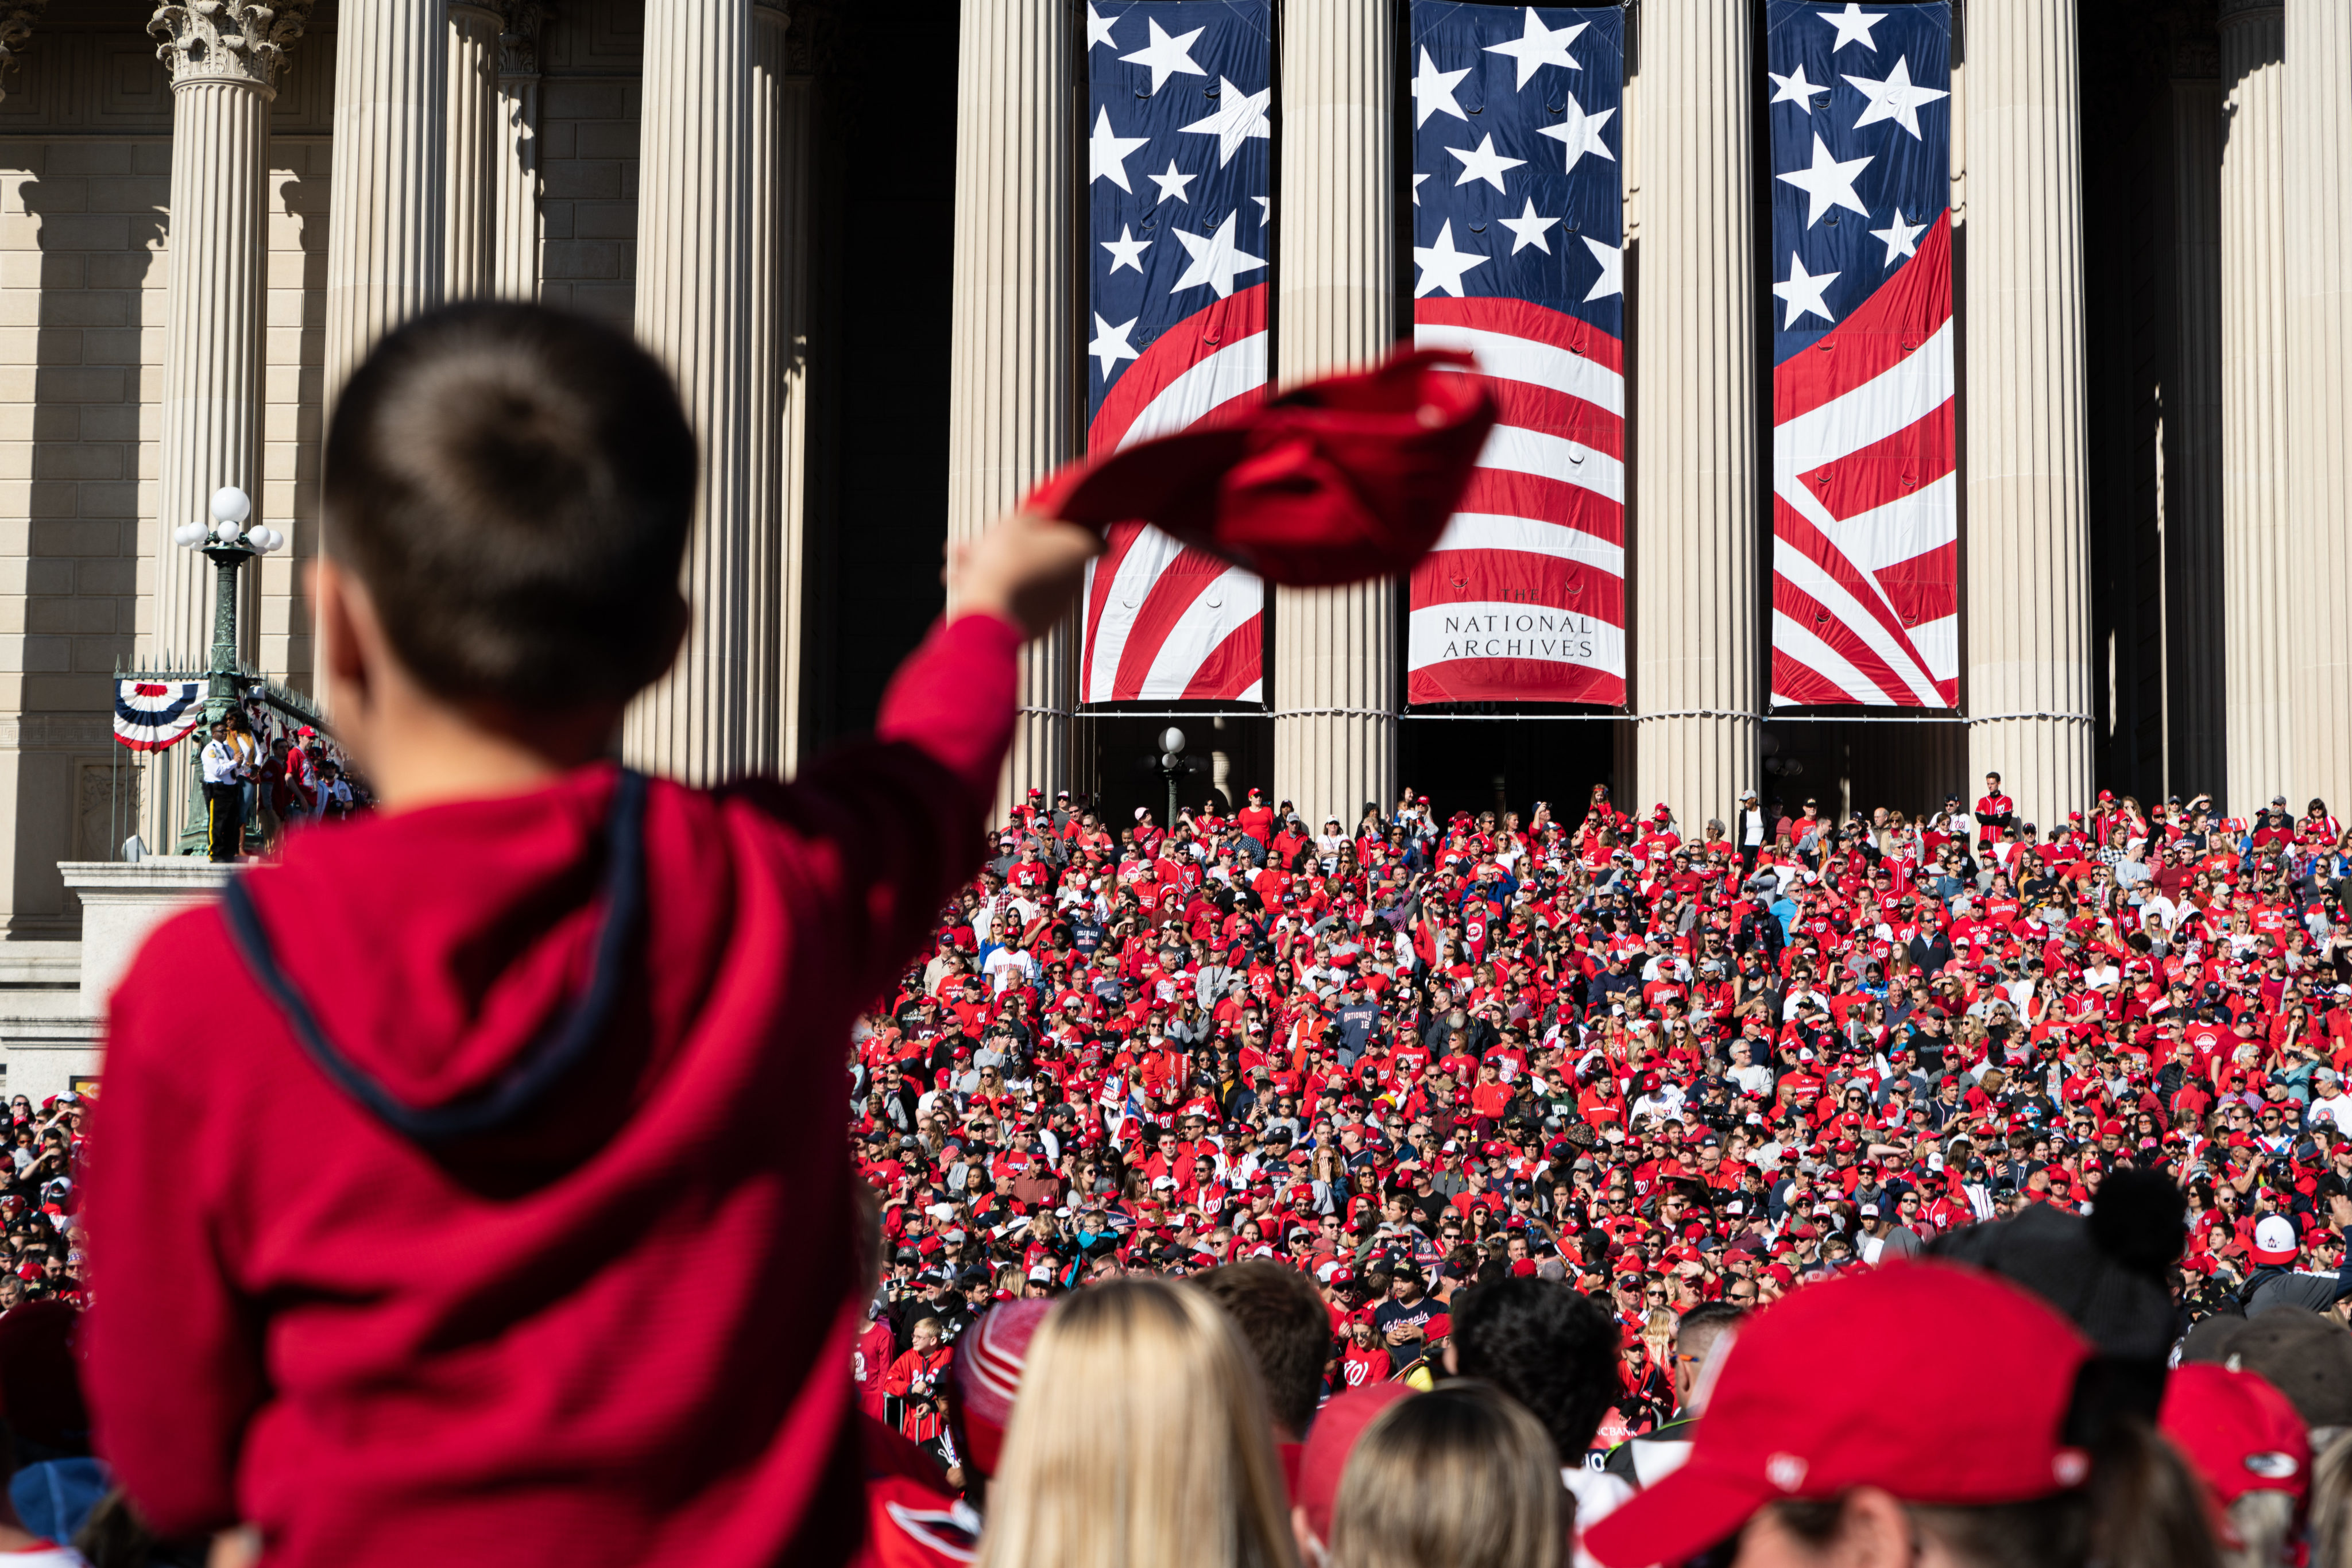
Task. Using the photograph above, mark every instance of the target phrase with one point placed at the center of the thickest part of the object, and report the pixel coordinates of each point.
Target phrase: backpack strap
(543, 1064)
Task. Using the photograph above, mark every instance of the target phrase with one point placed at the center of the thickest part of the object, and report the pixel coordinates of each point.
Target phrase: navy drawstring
(544, 1064)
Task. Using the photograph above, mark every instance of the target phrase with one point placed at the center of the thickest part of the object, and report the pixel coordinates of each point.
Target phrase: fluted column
(700, 306)
(385, 261)
(515, 236)
(2027, 542)
(795, 125)
(469, 186)
(1010, 411)
(2319, 396)
(770, 614)
(1698, 491)
(2254, 567)
(2195, 656)
(223, 62)
(1338, 653)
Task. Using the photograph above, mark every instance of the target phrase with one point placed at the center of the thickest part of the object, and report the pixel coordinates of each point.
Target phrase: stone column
(2027, 543)
(2319, 398)
(2195, 657)
(223, 62)
(698, 218)
(1339, 652)
(1698, 486)
(384, 260)
(2254, 401)
(795, 126)
(771, 616)
(515, 236)
(469, 187)
(1011, 414)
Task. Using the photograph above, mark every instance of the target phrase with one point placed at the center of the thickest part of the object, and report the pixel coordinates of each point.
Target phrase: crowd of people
(263, 775)
(1674, 1073)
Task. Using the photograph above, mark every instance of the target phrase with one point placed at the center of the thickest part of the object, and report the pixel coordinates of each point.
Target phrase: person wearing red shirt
(1256, 820)
(871, 1358)
(1364, 1361)
(1996, 813)
(1028, 874)
(1490, 1095)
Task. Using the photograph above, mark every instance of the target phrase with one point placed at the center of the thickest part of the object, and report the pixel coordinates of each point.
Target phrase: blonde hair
(2331, 1504)
(1141, 1439)
(2264, 1523)
(1459, 1478)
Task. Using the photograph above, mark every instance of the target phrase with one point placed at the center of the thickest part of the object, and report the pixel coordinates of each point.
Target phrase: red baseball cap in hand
(1340, 480)
(1985, 1374)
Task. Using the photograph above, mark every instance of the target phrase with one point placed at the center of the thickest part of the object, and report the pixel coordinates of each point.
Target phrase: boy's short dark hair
(515, 485)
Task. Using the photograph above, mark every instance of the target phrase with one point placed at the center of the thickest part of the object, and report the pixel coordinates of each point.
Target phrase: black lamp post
(1173, 764)
(228, 544)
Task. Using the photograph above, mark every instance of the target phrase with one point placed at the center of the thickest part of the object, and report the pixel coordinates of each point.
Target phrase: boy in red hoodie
(493, 1207)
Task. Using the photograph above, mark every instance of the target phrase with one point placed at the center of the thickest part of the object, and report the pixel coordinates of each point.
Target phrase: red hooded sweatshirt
(617, 1331)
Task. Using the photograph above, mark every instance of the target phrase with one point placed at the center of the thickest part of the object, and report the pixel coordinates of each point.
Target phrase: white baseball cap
(2275, 1240)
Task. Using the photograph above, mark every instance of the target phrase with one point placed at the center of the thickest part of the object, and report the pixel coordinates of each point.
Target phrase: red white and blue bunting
(152, 714)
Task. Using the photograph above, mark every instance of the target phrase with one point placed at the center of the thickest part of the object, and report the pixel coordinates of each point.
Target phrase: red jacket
(612, 1333)
(923, 1415)
(870, 1357)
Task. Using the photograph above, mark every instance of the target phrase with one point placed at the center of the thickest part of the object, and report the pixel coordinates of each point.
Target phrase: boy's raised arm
(893, 825)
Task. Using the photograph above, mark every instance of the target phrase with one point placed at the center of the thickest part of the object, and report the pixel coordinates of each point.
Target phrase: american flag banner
(1866, 517)
(1518, 229)
(1178, 210)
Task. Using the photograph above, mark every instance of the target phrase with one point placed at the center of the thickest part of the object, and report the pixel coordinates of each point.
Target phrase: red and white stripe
(1164, 621)
(1866, 517)
(1523, 599)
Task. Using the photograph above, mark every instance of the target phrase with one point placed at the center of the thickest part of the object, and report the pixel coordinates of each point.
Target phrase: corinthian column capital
(520, 25)
(228, 40)
(16, 19)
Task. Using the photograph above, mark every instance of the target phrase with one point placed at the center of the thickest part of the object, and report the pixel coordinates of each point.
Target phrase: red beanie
(1336, 481)
(988, 1365)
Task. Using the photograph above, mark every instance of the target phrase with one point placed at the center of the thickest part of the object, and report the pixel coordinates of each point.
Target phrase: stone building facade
(850, 230)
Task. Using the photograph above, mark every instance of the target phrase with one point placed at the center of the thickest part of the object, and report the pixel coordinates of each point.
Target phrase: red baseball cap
(1343, 479)
(2238, 1429)
(1779, 1423)
(1332, 1438)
